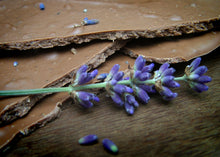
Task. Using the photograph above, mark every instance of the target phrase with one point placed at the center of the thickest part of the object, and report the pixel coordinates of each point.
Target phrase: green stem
(64, 89)
(182, 78)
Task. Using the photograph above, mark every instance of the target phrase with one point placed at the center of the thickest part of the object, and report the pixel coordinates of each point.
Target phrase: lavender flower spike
(194, 76)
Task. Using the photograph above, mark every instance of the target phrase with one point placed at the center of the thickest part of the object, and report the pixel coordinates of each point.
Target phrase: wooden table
(187, 126)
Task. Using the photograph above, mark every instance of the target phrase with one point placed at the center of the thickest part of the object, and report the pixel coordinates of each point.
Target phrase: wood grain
(187, 126)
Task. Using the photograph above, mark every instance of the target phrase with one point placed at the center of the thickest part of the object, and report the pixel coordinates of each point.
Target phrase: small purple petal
(169, 72)
(167, 93)
(102, 76)
(114, 69)
(118, 88)
(118, 76)
(126, 78)
(113, 82)
(109, 146)
(144, 76)
(164, 67)
(198, 87)
(142, 95)
(94, 73)
(131, 100)
(117, 99)
(167, 79)
(139, 63)
(129, 108)
(89, 139)
(82, 78)
(128, 89)
(200, 70)
(204, 79)
(195, 63)
(137, 74)
(86, 104)
(148, 68)
(148, 88)
(82, 69)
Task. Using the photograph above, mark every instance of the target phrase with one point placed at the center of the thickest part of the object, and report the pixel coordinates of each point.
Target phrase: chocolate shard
(173, 49)
(53, 68)
(60, 24)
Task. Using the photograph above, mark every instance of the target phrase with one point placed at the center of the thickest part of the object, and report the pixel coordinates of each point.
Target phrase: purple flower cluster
(82, 77)
(139, 74)
(194, 76)
(164, 80)
(114, 89)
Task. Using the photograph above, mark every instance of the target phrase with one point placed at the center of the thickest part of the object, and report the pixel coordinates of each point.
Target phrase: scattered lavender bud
(15, 64)
(89, 139)
(41, 6)
(109, 146)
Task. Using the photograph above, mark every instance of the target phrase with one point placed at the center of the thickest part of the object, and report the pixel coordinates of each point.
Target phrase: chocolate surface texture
(25, 26)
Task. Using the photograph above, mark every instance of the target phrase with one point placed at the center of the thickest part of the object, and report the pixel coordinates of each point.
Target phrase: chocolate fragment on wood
(53, 68)
(173, 49)
(24, 26)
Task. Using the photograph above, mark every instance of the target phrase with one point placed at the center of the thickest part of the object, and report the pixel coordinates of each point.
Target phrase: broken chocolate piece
(24, 26)
(51, 68)
(175, 49)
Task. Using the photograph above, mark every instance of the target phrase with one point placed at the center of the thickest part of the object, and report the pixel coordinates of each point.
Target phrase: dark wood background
(187, 126)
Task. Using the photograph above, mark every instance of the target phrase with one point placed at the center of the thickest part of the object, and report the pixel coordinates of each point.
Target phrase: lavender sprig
(125, 90)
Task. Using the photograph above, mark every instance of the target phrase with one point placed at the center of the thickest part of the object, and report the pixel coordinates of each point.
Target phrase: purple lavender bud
(163, 67)
(114, 69)
(139, 63)
(89, 139)
(118, 76)
(41, 6)
(118, 88)
(204, 79)
(137, 74)
(91, 22)
(102, 76)
(94, 73)
(142, 95)
(148, 88)
(167, 94)
(128, 89)
(109, 146)
(131, 100)
(81, 79)
(148, 68)
(144, 76)
(82, 69)
(129, 108)
(117, 99)
(200, 70)
(169, 72)
(195, 63)
(86, 104)
(198, 87)
(113, 82)
(86, 96)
